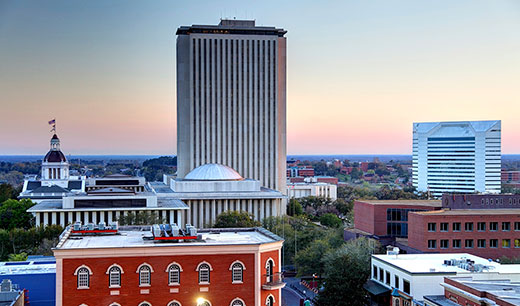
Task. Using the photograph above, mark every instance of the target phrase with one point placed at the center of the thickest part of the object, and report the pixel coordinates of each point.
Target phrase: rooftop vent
(6, 286)
(95, 229)
(173, 232)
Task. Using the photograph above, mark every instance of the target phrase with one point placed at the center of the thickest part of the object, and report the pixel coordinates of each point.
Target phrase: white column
(262, 209)
(94, 217)
(38, 219)
(70, 217)
(172, 213)
(45, 218)
(195, 219)
(62, 219)
(53, 218)
(85, 217)
(213, 211)
(102, 216)
(78, 216)
(188, 213)
(201, 214)
(110, 216)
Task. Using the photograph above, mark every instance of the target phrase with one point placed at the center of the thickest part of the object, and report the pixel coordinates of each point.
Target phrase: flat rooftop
(431, 203)
(132, 236)
(503, 289)
(434, 263)
(474, 212)
(27, 267)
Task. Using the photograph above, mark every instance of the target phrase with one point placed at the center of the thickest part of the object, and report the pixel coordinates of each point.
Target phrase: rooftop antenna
(52, 123)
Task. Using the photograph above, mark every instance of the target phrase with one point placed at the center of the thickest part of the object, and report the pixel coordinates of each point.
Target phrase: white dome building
(211, 189)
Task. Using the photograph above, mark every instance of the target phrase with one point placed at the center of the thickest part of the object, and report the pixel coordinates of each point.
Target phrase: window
(481, 243)
(270, 300)
(468, 243)
(493, 226)
(444, 227)
(396, 302)
(381, 275)
(145, 275)
(456, 227)
(506, 226)
(517, 243)
(506, 243)
(445, 244)
(374, 273)
(468, 226)
(432, 227)
(145, 304)
(114, 276)
(456, 243)
(237, 302)
(174, 274)
(432, 244)
(517, 226)
(174, 303)
(387, 279)
(396, 281)
(237, 272)
(83, 276)
(204, 270)
(493, 243)
(406, 286)
(481, 226)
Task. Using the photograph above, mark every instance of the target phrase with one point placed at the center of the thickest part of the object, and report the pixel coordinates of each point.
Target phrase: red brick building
(303, 171)
(510, 176)
(224, 267)
(388, 218)
(488, 233)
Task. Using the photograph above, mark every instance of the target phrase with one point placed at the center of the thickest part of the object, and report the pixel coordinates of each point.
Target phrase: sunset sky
(359, 72)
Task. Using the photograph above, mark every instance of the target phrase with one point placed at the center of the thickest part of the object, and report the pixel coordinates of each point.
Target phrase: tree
(310, 260)
(294, 208)
(17, 257)
(13, 213)
(7, 192)
(346, 271)
(234, 218)
(356, 173)
(331, 220)
(343, 206)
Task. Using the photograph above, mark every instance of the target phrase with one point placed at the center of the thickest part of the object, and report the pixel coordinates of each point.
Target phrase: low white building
(410, 277)
(306, 189)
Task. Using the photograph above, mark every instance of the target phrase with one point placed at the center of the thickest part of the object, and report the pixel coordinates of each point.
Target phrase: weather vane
(53, 124)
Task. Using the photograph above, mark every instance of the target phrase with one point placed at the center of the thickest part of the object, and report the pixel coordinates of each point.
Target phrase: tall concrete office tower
(457, 157)
(231, 99)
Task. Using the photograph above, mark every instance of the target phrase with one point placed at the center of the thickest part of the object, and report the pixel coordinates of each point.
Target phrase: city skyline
(358, 75)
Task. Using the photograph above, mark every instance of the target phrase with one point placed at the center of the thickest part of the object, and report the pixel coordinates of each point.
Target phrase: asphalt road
(290, 297)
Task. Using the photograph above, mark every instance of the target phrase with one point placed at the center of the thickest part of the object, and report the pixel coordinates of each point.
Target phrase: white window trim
(267, 299)
(231, 269)
(151, 271)
(198, 270)
(120, 277)
(115, 304)
(271, 259)
(237, 299)
(89, 273)
(174, 301)
(145, 302)
(168, 271)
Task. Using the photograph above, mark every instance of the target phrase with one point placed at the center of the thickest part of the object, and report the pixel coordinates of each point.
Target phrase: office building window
(468, 226)
(432, 227)
(432, 244)
(456, 227)
(456, 243)
(444, 227)
(381, 275)
(517, 226)
(374, 273)
(506, 226)
(481, 243)
(493, 243)
(493, 226)
(481, 226)
(445, 243)
(517, 243)
(396, 281)
(468, 243)
(406, 286)
(387, 279)
(506, 243)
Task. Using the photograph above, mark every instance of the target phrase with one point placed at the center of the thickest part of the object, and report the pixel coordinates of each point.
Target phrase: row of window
(468, 226)
(469, 243)
(491, 201)
(174, 270)
(385, 277)
(269, 301)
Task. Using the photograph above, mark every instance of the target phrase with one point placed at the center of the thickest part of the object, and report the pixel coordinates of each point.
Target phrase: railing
(273, 281)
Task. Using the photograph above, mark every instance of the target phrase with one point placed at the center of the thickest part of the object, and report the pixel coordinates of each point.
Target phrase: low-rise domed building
(211, 189)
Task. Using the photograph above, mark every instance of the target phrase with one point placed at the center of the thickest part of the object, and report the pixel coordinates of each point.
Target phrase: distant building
(231, 99)
(212, 189)
(364, 166)
(316, 189)
(510, 176)
(235, 267)
(54, 181)
(300, 171)
(461, 157)
(407, 279)
(388, 218)
(36, 275)
(477, 290)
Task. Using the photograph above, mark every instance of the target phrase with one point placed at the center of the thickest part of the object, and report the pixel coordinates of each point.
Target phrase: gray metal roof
(213, 172)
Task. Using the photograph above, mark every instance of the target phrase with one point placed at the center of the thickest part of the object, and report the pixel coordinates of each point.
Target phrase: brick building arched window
(174, 303)
(270, 300)
(145, 275)
(114, 276)
(145, 304)
(237, 272)
(83, 274)
(237, 302)
(174, 273)
(204, 270)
